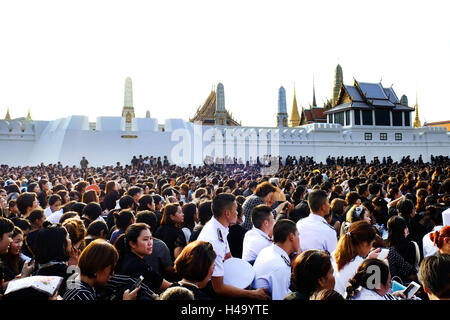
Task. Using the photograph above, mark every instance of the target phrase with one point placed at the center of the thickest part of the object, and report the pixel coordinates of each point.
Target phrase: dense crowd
(151, 230)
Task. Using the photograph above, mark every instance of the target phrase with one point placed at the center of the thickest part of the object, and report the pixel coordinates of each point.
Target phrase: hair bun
(434, 236)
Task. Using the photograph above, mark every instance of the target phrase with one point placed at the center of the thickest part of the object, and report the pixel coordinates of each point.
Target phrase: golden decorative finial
(295, 116)
(29, 115)
(8, 116)
(417, 123)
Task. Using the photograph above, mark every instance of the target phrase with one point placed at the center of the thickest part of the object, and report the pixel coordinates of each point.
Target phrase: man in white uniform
(273, 264)
(314, 230)
(215, 231)
(260, 236)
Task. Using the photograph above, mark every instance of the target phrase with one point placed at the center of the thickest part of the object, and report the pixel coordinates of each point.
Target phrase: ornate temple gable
(206, 114)
(207, 111)
(344, 96)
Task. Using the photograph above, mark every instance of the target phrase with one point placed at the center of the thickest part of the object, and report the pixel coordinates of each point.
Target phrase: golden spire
(417, 123)
(29, 115)
(295, 117)
(8, 116)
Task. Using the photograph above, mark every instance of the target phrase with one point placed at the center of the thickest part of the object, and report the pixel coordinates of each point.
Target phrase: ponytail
(438, 237)
(363, 275)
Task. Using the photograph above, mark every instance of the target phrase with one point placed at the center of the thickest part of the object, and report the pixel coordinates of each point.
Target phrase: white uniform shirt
(345, 274)
(429, 248)
(254, 241)
(315, 233)
(216, 234)
(55, 216)
(273, 271)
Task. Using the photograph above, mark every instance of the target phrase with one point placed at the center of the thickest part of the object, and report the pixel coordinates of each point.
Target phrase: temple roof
(364, 95)
(206, 114)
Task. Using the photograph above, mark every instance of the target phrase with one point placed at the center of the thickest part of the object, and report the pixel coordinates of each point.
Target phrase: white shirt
(254, 241)
(187, 233)
(48, 212)
(273, 271)
(315, 233)
(216, 234)
(429, 248)
(55, 216)
(345, 274)
(366, 294)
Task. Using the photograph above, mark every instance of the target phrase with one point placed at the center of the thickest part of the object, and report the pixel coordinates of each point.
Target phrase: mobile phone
(137, 283)
(411, 290)
(31, 262)
(382, 255)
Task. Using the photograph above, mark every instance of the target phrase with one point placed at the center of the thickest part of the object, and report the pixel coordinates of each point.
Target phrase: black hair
(56, 235)
(6, 226)
(363, 273)
(205, 212)
(126, 202)
(260, 213)
(95, 227)
(148, 218)
(92, 210)
(434, 274)
(282, 229)
(221, 202)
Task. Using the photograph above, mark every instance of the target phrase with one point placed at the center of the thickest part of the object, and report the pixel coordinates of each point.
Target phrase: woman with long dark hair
(170, 229)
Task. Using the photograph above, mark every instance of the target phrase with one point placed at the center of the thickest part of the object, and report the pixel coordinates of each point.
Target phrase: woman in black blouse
(170, 229)
(133, 246)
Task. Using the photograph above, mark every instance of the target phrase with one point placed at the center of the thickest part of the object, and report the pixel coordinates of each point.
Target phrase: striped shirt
(79, 291)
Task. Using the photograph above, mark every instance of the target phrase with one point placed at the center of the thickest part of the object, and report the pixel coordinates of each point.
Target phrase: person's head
(262, 218)
(26, 203)
(434, 274)
(65, 197)
(357, 213)
(43, 184)
(374, 189)
(97, 261)
(195, 263)
(55, 202)
(266, 191)
(33, 187)
(205, 212)
(68, 215)
(224, 206)
(397, 230)
(358, 240)
(111, 186)
(338, 206)
(6, 232)
(190, 212)
(364, 278)
(92, 211)
(148, 218)
(136, 239)
(252, 186)
(285, 233)
(318, 202)
(312, 271)
(158, 202)
(15, 247)
(379, 204)
(135, 192)
(89, 196)
(326, 294)
(77, 232)
(406, 209)
(172, 215)
(61, 246)
(352, 198)
(123, 219)
(97, 229)
(23, 224)
(146, 203)
(78, 207)
(441, 239)
(363, 190)
(126, 202)
(177, 293)
(36, 218)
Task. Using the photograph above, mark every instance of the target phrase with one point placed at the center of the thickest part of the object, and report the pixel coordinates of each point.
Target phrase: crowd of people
(151, 230)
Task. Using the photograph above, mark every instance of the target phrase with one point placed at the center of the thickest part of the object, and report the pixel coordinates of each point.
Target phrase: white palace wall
(68, 139)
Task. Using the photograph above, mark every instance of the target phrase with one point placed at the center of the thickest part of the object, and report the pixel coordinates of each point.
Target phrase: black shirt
(195, 233)
(172, 237)
(134, 266)
(301, 211)
(29, 243)
(236, 240)
(110, 200)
